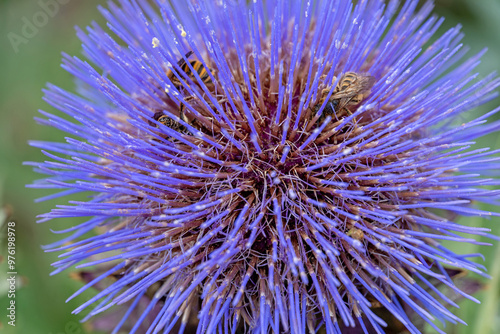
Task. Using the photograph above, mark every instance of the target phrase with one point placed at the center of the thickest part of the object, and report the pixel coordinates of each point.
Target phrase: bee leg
(183, 116)
(186, 99)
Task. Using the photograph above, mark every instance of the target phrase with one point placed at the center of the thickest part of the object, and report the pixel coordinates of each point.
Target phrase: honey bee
(204, 75)
(351, 89)
(170, 122)
(196, 65)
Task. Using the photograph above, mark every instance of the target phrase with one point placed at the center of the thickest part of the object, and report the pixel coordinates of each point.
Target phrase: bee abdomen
(201, 70)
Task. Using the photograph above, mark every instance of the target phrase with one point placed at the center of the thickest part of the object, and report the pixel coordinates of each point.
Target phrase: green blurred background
(40, 298)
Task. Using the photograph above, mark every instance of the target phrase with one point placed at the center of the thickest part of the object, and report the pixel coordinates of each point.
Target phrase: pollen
(155, 42)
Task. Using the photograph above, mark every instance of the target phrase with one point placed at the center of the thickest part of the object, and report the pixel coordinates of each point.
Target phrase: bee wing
(367, 83)
(362, 85)
(345, 94)
(182, 61)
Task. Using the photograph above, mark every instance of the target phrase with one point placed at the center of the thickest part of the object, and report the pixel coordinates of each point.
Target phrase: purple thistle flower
(296, 172)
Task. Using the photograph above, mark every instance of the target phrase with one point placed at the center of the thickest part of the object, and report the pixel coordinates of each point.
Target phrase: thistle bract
(278, 166)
